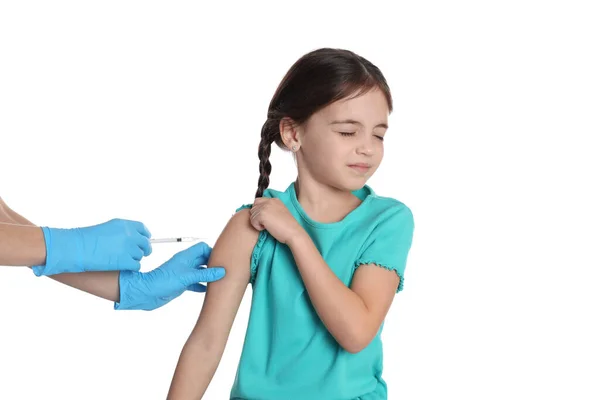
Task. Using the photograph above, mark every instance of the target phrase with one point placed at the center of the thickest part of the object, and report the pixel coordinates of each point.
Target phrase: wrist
(47, 264)
(299, 237)
(130, 297)
(39, 249)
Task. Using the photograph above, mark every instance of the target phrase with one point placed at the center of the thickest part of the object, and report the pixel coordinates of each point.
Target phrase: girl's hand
(272, 215)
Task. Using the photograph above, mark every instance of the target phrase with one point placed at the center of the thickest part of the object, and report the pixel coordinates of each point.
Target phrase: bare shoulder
(233, 249)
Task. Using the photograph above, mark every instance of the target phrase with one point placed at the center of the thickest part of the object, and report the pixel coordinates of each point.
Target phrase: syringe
(176, 239)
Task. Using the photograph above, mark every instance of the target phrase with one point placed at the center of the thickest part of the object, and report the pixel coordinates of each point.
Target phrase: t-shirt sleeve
(389, 244)
(256, 252)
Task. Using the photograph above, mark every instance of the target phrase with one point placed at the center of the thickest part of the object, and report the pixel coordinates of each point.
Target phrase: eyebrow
(352, 121)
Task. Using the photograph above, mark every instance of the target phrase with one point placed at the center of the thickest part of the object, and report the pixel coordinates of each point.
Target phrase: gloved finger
(141, 228)
(144, 243)
(197, 287)
(129, 264)
(200, 251)
(205, 275)
(136, 253)
(200, 262)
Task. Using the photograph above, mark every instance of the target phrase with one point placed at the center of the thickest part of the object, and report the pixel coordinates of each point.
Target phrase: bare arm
(22, 243)
(352, 315)
(204, 348)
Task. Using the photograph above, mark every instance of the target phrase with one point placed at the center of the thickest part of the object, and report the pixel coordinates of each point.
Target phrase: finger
(197, 287)
(199, 262)
(137, 253)
(141, 228)
(260, 203)
(255, 221)
(260, 200)
(206, 275)
(254, 212)
(130, 264)
(144, 243)
(257, 225)
(199, 251)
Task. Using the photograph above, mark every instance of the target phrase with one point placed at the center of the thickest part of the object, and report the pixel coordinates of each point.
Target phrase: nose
(365, 147)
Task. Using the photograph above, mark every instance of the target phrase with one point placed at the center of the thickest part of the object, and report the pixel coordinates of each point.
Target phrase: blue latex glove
(114, 245)
(151, 290)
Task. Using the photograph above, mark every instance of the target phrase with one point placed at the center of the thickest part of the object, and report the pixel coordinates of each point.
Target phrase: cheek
(327, 156)
(378, 154)
(315, 155)
(318, 148)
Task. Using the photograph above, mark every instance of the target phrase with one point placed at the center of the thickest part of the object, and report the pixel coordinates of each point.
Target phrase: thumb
(200, 251)
(197, 287)
(206, 275)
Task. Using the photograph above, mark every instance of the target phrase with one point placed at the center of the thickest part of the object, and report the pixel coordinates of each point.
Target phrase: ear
(290, 133)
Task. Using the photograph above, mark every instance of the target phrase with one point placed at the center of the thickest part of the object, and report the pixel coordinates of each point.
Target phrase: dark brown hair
(316, 80)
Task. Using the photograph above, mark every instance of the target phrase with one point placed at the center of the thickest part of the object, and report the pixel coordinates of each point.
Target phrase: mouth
(360, 167)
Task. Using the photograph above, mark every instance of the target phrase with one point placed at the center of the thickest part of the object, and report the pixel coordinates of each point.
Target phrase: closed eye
(346, 133)
(379, 137)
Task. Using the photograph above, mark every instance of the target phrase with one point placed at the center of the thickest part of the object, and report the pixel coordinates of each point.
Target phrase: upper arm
(376, 287)
(232, 251)
(380, 268)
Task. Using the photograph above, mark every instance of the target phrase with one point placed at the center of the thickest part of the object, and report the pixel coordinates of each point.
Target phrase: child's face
(341, 144)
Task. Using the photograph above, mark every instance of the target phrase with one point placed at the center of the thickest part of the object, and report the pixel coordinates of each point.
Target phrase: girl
(325, 257)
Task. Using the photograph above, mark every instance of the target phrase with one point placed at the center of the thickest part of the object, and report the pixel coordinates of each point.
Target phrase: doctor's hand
(151, 290)
(114, 245)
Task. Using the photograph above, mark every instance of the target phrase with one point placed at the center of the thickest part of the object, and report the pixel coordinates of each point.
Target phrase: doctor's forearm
(101, 284)
(22, 243)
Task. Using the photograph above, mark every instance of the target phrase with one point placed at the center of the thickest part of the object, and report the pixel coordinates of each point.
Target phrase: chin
(351, 185)
(343, 181)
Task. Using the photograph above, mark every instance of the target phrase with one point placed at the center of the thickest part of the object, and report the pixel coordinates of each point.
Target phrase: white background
(152, 111)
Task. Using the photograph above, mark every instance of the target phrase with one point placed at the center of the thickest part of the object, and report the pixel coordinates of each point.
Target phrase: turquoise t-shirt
(288, 352)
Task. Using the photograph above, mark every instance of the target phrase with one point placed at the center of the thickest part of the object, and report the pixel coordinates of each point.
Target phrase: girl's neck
(324, 203)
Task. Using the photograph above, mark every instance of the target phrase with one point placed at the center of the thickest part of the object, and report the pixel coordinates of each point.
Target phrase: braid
(264, 152)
